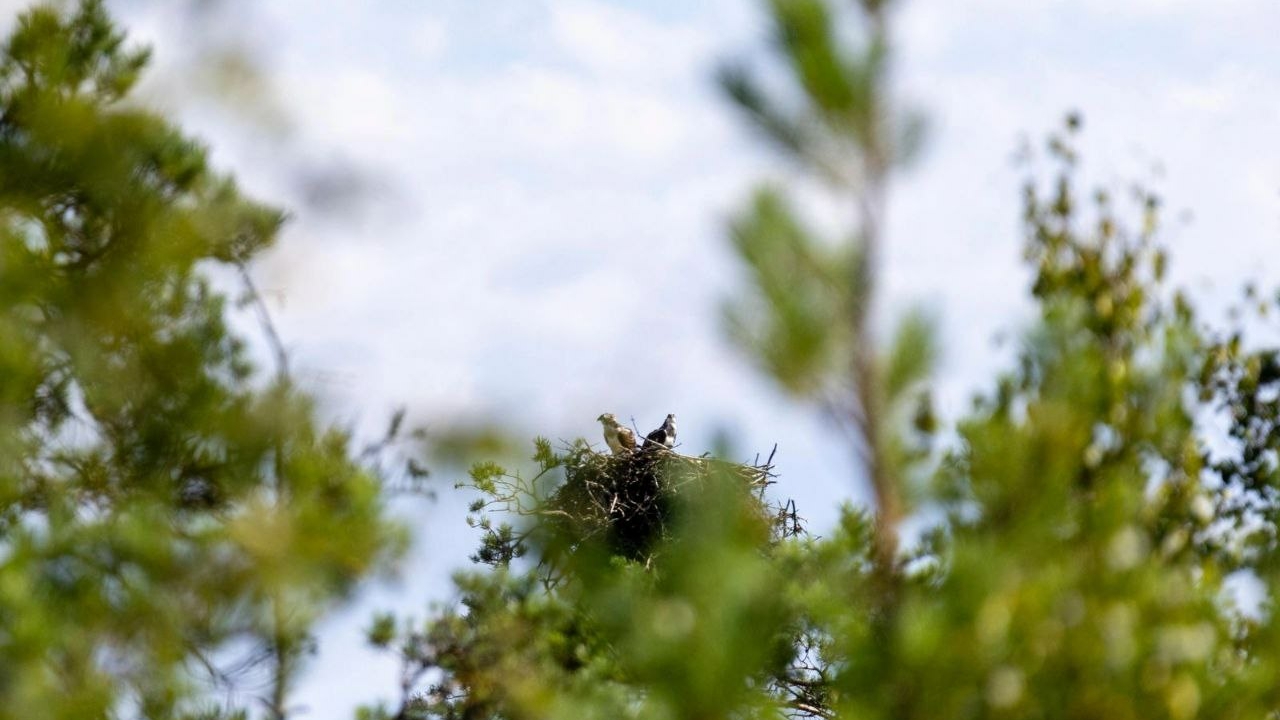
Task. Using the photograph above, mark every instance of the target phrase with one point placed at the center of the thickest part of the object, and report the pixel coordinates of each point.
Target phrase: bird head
(607, 419)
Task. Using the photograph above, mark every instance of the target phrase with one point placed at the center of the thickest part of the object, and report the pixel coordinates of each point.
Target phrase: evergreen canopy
(167, 517)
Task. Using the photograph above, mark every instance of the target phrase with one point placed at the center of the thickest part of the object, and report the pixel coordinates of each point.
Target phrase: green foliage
(1084, 516)
(158, 504)
(1078, 569)
(793, 321)
(1072, 585)
(163, 507)
(839, 124)
(807, 317)
(593, 631)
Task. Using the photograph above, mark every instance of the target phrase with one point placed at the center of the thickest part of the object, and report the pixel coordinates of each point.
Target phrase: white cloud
(430, 38)
(611, 41)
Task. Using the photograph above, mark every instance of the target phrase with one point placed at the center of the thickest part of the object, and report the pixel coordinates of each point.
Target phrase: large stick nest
(627, 500)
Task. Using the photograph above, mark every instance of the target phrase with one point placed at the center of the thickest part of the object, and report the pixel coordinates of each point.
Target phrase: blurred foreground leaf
(166, 517)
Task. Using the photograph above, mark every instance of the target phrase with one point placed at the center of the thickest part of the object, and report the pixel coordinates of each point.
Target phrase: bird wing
(658, 437)
(626, 438)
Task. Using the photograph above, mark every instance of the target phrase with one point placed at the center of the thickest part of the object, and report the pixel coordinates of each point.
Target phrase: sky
(516, 209)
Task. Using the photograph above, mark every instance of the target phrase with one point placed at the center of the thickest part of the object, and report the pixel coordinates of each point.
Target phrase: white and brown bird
(619, 438)
(664, 435)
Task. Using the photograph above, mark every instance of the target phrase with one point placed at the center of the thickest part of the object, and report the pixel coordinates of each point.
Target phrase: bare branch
(268, 325)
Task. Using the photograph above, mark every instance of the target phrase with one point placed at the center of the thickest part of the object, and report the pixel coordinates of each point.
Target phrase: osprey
(619, 438)
(664, 436)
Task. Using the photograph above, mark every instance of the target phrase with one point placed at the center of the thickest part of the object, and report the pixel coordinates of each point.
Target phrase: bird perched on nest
(619, 438)
(664, 435)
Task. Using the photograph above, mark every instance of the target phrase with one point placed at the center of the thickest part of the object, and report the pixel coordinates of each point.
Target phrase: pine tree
(168, 516)
(1086, 522)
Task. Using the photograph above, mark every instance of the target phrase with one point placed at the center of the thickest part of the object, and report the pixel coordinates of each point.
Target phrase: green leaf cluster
(161, 505)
